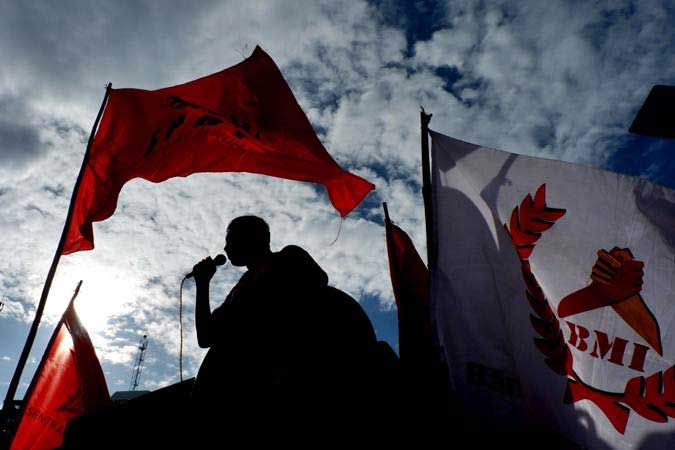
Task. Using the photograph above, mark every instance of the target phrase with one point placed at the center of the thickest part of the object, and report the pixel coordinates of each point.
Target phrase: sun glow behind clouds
(106, 291)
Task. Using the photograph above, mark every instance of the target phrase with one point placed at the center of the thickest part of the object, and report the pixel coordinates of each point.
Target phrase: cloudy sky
(560, 79)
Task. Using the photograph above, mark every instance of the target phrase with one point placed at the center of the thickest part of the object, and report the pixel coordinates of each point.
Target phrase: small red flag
(68, 383)
(410, 281)
(242, 119)
(421, 357)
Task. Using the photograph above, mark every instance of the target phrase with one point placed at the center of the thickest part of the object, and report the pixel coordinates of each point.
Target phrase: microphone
(219, 260)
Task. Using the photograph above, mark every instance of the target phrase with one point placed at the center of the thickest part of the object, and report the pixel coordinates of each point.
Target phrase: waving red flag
(424, 369)
(242, 119)
(68, 383)
(410, 281)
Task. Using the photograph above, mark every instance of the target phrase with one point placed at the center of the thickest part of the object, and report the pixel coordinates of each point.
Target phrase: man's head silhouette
(247, 241)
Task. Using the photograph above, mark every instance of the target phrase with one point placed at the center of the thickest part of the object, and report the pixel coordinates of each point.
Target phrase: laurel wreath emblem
(652, 397)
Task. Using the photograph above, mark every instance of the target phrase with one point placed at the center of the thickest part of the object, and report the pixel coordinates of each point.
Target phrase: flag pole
(11, 390)
(426, 185)
(387, 230)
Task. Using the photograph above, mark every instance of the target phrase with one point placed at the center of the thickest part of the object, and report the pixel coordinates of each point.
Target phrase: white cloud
(556, 78)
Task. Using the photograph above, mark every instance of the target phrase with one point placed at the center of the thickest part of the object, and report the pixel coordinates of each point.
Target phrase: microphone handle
(219, 260)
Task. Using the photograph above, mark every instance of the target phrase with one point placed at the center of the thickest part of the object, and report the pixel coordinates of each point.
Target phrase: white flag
(554, 295)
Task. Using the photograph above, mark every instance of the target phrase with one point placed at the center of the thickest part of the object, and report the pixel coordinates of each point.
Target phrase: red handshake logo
(616, 281)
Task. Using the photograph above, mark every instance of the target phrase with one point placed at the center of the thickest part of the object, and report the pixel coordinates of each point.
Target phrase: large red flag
(69, 383)
(242, 119)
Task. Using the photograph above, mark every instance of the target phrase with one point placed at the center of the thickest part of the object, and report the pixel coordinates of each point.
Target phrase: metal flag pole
(386, 213)
(438, 374)
(426, 186)
(8, 405)
(388, 232)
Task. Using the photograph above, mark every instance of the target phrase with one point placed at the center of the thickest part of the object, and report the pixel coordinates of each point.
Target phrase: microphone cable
(180, 319)
(219, 260)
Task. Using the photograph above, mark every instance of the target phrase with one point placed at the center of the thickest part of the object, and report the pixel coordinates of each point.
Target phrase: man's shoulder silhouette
(294, 267)
(282, 330)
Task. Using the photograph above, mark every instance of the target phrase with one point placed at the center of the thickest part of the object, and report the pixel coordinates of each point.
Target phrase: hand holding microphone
(203, 271)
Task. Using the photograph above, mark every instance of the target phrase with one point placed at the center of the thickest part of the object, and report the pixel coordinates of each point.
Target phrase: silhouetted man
(290, 359)
(283, 344)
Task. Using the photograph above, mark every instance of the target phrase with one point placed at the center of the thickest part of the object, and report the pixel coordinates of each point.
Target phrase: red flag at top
(68, 383)
(242, 119)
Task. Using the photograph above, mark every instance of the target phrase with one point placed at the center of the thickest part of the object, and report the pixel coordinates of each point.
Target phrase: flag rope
(342, 219)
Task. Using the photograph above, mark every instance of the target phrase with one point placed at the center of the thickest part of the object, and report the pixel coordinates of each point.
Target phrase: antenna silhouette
(138, 366)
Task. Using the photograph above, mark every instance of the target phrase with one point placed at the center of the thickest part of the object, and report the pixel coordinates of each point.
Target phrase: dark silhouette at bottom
(284, 347)
(290, 358)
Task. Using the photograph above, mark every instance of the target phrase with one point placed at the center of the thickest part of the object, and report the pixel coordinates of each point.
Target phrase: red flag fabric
(242, 119)
(425, 372)
(69, 383)
(410, 281)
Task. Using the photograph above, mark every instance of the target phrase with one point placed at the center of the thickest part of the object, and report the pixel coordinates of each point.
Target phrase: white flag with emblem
(554, 294)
